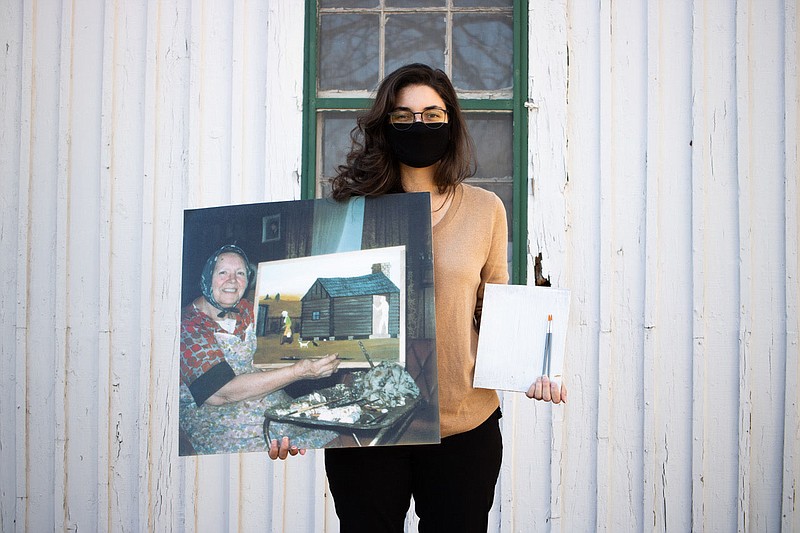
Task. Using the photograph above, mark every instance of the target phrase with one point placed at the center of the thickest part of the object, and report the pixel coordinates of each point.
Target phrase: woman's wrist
(295, 372)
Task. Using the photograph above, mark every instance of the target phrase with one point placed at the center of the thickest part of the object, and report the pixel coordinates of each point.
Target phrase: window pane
(483, 51)
(334, 144)
(418, 38)
(483, 3)
(415, 3)
(348, 52)
(348, 3)
(492, 134)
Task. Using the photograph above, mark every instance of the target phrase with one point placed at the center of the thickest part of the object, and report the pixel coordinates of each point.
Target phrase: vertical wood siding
(664, 193)
(669, 207)
(790, 514)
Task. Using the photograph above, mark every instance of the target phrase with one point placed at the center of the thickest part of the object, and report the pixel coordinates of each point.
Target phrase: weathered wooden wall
(664, 193)
(664, 161)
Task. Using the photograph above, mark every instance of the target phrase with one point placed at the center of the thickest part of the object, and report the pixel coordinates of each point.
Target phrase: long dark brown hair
(372, 169)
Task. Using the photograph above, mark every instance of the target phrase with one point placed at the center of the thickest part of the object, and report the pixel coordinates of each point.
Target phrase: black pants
(452, 482)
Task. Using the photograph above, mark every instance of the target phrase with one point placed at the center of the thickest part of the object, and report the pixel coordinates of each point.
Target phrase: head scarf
(208, 273)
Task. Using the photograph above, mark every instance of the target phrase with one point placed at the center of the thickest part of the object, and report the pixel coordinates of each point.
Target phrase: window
(480, 44)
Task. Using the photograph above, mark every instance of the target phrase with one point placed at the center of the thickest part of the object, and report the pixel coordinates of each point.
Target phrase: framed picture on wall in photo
(270, 228)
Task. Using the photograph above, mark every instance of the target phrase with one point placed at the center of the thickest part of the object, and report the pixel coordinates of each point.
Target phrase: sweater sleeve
(495, 270)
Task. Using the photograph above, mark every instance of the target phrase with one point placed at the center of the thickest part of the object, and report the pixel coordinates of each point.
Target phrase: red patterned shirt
(203, 366)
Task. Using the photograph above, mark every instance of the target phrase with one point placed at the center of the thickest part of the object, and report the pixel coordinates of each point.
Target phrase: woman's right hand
(317, 368)
(283, 450)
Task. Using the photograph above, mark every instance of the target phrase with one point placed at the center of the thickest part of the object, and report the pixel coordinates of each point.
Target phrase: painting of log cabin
(358, 307)
(349, 303)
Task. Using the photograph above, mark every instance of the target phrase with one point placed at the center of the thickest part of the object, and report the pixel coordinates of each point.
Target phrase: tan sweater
(469, 250)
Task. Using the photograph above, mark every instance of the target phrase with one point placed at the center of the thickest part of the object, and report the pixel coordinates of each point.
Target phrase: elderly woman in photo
(223, 397)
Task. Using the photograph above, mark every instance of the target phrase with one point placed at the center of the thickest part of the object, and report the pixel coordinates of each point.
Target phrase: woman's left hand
(548, 391)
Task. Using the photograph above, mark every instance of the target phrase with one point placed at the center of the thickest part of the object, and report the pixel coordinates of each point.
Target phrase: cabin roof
(376, 283)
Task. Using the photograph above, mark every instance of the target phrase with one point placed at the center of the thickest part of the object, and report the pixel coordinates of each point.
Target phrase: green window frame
(315, 103)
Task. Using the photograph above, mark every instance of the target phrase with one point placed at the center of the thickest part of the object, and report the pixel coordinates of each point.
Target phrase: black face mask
(419, 146)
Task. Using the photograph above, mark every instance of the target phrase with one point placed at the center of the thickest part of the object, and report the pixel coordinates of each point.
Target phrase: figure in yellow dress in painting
(287, 335)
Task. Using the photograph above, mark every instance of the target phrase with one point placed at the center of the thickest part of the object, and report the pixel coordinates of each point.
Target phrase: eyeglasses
(433, 117)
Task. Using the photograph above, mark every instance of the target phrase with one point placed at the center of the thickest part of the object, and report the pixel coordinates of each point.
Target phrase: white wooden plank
(212, 509)
(239, 90)
(148, 256)
(284, 100)
(37, 247)
(169, 144)
(192, 194)
(158, 436)
(668, 305)
(234, 492)
(104, 382)
(762, 165)
(790, 517)
(547, 67)
(125, 248)
(249, 86)
(255, 47)
(83, 73)
(653, 176)
(745, 220)
(580, 510)
(605, 468)
(193, 197)
(300, 488)
(278, 495)
(699, 171)
(20, 376)
(627, 100)
(716, 256)
(547, 93)
(256, 474)
(214, 96)
(187, 507)
(60, 286)
(11, 150)
(210, 89)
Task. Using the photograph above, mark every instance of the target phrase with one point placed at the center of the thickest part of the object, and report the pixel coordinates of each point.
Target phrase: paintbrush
(548, 340)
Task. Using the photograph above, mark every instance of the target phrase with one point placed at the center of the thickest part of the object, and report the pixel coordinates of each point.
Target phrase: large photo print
(276, 295)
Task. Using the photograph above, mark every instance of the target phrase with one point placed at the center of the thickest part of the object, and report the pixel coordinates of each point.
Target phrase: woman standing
(413, 139)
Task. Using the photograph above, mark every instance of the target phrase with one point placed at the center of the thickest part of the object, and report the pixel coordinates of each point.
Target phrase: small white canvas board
(513, 332)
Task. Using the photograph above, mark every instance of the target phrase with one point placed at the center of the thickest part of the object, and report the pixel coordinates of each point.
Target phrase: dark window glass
(483, 3)
(415, 3)
(415, 38)
(492, 134)
(348, 52)
(483, 47)
(335, 127)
